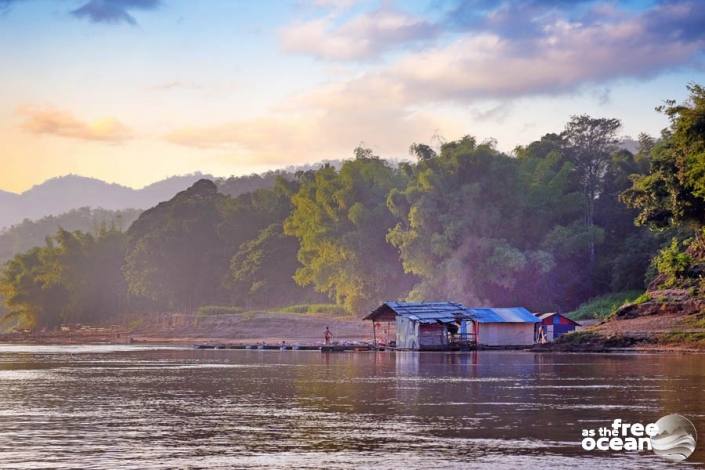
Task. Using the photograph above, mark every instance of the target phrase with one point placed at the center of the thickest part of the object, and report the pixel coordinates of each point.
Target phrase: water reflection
(163, 408)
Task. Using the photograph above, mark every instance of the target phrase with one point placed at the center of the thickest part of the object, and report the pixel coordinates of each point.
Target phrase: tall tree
(340, 219)
(458, 220)
(262, 271)
(176, 257)
(75, 277)
(589, 143)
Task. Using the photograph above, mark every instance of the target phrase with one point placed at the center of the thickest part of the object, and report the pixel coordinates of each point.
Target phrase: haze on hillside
(493, 153)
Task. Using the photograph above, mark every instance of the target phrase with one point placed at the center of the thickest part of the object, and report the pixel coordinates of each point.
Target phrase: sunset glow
(135, 91)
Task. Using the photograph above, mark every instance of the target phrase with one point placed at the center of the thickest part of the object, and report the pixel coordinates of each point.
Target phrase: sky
(133, 91)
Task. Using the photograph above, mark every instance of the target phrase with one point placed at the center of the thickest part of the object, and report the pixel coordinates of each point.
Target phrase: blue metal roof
(502, 315)
(445, 312)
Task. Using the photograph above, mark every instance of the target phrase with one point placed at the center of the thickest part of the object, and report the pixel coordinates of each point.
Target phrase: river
(151, 407)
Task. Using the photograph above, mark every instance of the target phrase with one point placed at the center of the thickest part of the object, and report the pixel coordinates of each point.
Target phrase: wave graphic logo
(675, 439)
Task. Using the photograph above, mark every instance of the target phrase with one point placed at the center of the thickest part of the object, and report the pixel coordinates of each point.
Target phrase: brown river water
(139, 407)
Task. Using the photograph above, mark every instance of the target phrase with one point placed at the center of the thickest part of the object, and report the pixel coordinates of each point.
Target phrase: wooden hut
(425, 325)
(553, 325)
(451, 325)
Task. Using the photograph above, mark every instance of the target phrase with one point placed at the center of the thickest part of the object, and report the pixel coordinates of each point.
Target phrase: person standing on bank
(328, 336)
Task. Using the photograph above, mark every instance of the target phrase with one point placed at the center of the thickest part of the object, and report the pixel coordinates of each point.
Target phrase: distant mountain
(6, 196)
(62, 194)
(627, 143)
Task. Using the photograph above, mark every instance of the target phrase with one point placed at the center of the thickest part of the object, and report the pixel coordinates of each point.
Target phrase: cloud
(602, 95)
(512, 18)
(326, 123)
(513, 48)
(55, 122)
(564, 57)
(113, 11)
(365, 36)
(403, 99)
(676, 21)
(496, 113)
(335, 4)
(478, 71)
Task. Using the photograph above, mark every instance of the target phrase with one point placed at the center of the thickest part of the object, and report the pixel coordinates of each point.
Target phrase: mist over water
(136, 407)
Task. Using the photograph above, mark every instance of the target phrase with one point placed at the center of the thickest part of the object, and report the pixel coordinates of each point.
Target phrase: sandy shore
(638, 334)
(249, 328)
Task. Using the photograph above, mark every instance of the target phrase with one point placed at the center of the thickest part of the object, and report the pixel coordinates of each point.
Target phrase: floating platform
(292, 347)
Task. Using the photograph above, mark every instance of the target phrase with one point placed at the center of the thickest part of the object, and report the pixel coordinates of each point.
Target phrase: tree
(176, 257)
(670, 198)
(179, 252)
(672, 194)
(422, 151)
(458, 223)
(31, 233)
(340, 219)
(589, 143)
(75, 277)
(31, 290)
(262, 271)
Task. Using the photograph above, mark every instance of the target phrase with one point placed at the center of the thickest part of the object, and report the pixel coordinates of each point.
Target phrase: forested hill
(565, 218)
(32, 233)
(62, 194)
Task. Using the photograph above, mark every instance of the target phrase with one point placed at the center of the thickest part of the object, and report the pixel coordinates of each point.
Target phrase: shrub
(673, 262)
(684, 337)
(603, 306)
(315, 308)
(219, 310)
(580, 337)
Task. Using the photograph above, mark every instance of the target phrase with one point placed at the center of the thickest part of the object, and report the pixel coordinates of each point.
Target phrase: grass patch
(684, 337)
(135, 323)
(588, 340)
(603, 306)
(696, 321)
(579, 338)
(219, 310)
(314, 308)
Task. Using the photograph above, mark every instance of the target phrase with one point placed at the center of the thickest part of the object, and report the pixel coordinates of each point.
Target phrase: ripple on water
(176, 408)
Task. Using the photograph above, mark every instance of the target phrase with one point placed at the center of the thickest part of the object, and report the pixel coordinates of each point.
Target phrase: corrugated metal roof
(429, 312)
(433, 312)
(502, 315)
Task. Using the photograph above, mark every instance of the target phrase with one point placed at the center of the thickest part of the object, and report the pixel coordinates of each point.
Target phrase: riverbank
(650, 333)
(178, 328)
(659, 331)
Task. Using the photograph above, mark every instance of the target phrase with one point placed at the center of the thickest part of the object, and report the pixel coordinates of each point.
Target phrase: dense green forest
(31, 233)
(561, 220)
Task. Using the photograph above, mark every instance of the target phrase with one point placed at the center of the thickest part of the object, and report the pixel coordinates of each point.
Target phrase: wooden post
(374, 334)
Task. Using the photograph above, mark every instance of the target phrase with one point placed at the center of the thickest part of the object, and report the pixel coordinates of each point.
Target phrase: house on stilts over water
(451, 325)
